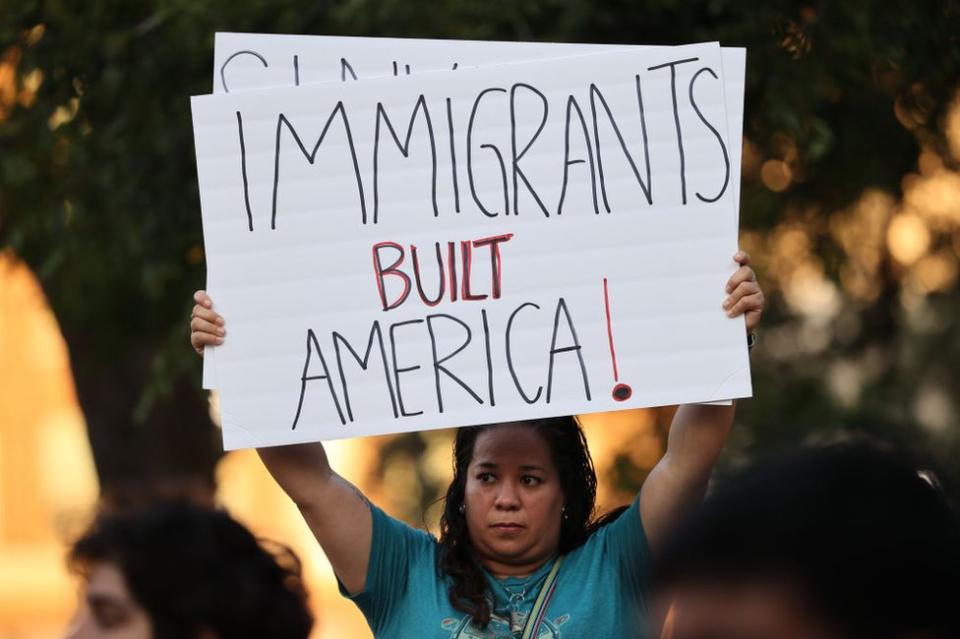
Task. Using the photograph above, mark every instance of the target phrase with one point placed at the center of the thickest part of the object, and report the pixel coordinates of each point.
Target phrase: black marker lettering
(439, 361)
(453, 156)
(223, 67)
(503, 177)
(645, 186)
(503, 168)
(396, 368)
(404, 147)
(313, 345)
(516, 157)
(567, 162)
(676, 119)
(486, 346)
(723, 147)
(562, 305)
(513, 372)
(364, 362)
(312, 156)
(344, 67)
(243, 171)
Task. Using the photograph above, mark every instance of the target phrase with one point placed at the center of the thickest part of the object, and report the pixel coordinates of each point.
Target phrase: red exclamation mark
(621, 392)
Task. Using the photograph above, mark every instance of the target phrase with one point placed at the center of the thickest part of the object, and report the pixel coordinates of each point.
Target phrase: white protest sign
(244, 61)
(495, 244)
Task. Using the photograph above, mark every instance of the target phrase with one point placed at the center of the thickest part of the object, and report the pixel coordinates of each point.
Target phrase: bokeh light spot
(952, 127)
(776, 175)
(908, 238)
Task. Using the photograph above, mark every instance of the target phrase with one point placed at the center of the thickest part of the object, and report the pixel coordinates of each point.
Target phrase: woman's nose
(508, 496)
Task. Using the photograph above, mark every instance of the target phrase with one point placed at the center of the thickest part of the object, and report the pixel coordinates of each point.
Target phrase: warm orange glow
(47, 481)
(861, 232)
(750, 161)
(31, 84)
(20, 90)
(935, 273)
(776, 175)
(248, 492)
(630, 433)
(811, 293)
(908, 238)
(8, 80)
(668, 623)
(929, 162)
(34, 34)
(64, 114)
(936, 198)
(790, 264)
(952, 127)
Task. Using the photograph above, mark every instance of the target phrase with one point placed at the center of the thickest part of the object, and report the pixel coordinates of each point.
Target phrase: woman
(176, 570)
(520, 553)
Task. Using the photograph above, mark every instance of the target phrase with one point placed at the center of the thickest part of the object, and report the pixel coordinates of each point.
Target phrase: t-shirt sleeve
(395, 550)
(626, 546)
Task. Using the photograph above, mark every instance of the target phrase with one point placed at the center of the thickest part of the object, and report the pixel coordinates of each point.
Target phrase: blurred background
(850, 207)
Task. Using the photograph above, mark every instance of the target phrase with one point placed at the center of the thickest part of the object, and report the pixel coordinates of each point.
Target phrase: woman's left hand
(678, 482)
(744, 296)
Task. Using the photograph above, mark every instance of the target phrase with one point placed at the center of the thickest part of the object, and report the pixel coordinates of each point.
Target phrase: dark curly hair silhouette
(868, 546)
(194, 568)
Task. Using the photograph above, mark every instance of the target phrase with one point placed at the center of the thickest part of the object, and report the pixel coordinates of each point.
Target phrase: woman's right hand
(299, 469)
(336, 512)
(206, 326)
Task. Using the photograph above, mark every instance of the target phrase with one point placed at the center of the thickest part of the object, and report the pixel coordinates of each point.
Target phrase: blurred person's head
(180, 571)
(844, 542)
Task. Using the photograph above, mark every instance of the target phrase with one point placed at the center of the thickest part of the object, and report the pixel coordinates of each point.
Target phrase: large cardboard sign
(244, 61)
(498, 243)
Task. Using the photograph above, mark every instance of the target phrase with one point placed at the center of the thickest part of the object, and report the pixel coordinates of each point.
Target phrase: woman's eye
(530, 480)
(109, 617)
(485, 478)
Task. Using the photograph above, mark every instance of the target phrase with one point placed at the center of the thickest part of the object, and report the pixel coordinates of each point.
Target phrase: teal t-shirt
(600, 589)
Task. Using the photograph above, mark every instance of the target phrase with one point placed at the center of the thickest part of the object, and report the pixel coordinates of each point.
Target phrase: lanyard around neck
(532, 626)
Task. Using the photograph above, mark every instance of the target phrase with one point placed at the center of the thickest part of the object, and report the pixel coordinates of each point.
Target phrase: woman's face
(513, 500)
(108, 610)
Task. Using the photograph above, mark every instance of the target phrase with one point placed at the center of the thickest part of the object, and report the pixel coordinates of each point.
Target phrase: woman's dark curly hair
(578, 479)
(196, 569)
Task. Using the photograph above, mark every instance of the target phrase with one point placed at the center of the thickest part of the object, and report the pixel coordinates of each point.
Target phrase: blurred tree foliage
(847, 106)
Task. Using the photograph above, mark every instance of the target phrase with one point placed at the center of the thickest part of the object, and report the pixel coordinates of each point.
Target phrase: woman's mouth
(508, 528)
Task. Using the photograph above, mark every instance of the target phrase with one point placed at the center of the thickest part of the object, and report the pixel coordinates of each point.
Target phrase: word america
(316, 366)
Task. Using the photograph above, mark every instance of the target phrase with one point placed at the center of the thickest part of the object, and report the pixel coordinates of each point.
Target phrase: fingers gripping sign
(744, 295)
(206, 326)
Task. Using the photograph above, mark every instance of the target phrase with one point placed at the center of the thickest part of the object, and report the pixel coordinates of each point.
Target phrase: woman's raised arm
(698, 432)
(336, 512)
